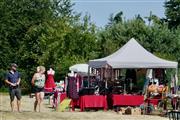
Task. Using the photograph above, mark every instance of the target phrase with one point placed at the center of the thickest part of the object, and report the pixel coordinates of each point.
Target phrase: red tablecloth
(93, 101)
(153, 101)
(127, 100)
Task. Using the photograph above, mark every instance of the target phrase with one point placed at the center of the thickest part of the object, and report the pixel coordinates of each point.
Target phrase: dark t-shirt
(13, 78)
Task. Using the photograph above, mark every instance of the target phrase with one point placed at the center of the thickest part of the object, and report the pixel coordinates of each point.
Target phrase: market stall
(81, 91)
(132, 58)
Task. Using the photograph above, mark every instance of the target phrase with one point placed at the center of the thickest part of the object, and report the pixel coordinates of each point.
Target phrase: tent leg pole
(176, 80)
(88, 76)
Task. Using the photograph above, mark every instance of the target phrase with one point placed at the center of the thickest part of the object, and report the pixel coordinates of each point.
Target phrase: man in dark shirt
(13, 80)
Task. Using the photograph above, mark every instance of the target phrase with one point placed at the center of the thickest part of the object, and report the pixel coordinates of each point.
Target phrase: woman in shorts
(38, 82)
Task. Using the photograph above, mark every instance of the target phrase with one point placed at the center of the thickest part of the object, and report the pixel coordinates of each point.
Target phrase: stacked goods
(160, 89)
(152, 88)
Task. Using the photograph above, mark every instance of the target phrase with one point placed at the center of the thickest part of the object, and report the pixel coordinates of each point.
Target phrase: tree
(172, 12)
(118, 17)
(17, 18)
(177, 43)
(115, 18)
(62, 8)
(44, 32)
(65, 44)
(138, 17)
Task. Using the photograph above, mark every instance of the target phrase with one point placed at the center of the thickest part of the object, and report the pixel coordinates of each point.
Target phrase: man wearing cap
(13, 80)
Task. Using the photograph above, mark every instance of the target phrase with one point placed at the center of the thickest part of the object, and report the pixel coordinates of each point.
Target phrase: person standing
(13, 80)
(38, 82)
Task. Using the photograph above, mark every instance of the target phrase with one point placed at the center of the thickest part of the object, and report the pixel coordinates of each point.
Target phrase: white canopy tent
(132, 55)
(79, 68)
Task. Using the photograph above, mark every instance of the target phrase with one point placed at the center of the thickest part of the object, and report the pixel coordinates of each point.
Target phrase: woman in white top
(38, 82)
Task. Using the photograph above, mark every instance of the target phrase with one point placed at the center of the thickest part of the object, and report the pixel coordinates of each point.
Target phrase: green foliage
(117, 34)
(172, 10)
(118, 17)
(43, 32)
(4, 89)
(166, 56)
(177, 43)
(2, 76)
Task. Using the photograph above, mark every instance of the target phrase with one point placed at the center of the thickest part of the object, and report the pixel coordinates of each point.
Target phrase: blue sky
(100, 10)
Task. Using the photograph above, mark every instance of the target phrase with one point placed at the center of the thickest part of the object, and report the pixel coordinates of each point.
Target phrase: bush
(2, 77)
(4, 89)
(25, 81)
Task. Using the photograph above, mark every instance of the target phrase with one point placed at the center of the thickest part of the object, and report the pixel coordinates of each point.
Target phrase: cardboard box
(136, 111)
(122, 110)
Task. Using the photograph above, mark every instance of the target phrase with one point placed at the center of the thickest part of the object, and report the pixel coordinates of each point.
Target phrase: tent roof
(132, 55)
(79, 68)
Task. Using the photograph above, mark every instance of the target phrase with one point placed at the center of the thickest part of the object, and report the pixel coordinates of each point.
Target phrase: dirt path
(50, 114)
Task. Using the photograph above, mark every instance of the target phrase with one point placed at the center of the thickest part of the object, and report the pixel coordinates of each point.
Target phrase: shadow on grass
(23, 111)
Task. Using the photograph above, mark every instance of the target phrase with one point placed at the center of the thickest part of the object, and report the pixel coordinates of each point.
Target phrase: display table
(153, 101)
(127, 100)
(93, 101)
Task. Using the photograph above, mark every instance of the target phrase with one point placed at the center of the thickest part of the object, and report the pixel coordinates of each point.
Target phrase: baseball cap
(14, 65)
